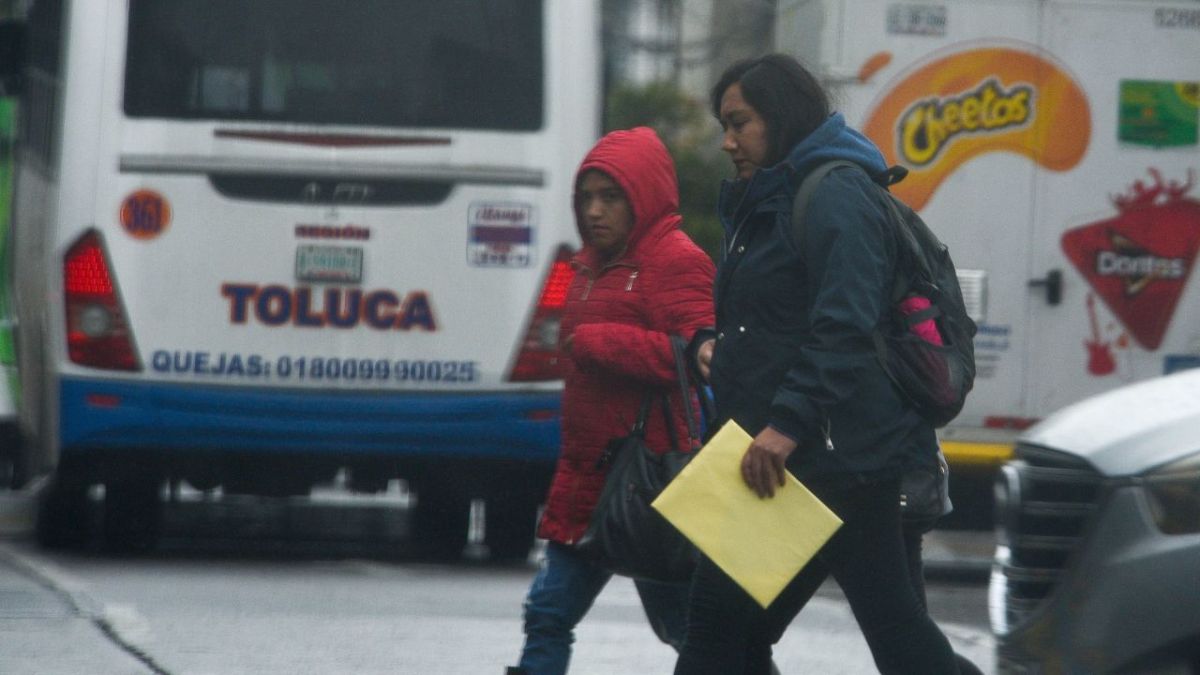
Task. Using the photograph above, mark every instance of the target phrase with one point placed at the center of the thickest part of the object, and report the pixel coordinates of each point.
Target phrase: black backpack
(934, 378)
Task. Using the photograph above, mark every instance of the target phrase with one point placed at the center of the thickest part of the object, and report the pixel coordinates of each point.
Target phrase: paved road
(200, 609)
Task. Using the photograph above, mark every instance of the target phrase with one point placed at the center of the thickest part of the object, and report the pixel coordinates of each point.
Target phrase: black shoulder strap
(804, 195)
(893, 175)
(639, 425)
(686, 387)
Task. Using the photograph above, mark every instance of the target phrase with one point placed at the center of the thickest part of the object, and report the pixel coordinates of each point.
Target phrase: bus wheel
(132, 515)
(511, 523)
(439, 524)
(62, 512)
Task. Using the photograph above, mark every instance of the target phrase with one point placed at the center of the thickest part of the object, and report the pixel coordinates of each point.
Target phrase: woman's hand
(762, 465)
(704, 357)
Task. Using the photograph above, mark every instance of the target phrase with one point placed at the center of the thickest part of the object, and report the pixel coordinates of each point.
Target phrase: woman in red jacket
(639, 279)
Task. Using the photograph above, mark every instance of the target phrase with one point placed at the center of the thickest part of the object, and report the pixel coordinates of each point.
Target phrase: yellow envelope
(761, 543)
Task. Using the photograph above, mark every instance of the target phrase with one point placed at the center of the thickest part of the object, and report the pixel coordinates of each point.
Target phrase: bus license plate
(329, 264)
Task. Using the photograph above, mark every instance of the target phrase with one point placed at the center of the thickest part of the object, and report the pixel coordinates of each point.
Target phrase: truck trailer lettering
(932, 124)
(951, 108)
(1138, 268)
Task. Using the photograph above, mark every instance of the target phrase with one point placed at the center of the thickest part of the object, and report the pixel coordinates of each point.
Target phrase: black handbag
(925, 494)
(626, 535)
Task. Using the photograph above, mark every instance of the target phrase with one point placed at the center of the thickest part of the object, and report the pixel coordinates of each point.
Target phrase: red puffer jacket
(621, 315)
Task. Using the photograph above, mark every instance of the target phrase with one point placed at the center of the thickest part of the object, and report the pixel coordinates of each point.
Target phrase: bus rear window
(464, 64)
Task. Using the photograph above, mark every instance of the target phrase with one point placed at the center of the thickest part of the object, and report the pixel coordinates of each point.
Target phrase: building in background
(686, 42)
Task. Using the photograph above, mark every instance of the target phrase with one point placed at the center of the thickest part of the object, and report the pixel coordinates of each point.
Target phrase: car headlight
(1173, 492)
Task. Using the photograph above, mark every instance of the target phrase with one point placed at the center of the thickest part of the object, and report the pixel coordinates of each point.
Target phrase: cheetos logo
(953, 108)
(930, 125)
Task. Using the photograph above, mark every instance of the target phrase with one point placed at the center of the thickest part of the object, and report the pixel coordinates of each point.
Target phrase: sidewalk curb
(104, 619)
(52, 580)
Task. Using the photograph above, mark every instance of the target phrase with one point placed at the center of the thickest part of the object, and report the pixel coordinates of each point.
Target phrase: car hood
(1129, 430)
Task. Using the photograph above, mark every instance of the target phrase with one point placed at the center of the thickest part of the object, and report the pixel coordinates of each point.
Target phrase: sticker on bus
(500, 234)
(329, 263)
(145, 214)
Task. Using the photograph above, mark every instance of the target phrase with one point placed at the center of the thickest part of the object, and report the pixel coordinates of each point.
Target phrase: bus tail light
(537, 360)
(97, 333)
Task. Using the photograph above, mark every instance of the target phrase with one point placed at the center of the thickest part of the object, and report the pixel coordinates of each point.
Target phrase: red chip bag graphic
(1139, 261)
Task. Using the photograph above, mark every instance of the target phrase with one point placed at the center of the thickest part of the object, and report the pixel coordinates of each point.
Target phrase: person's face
(745, 136)
(606, 213)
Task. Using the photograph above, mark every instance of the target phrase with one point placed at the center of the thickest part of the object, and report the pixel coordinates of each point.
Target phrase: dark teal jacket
(794, 320)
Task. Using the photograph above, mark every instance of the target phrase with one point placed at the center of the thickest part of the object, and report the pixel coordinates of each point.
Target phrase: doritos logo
(1135, 266)
(992, 99)
(1139, 261)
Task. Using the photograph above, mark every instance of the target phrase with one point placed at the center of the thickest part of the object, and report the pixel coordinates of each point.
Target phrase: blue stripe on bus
(107, 414)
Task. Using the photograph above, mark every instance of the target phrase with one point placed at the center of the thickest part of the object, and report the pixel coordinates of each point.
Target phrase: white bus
(261, 243)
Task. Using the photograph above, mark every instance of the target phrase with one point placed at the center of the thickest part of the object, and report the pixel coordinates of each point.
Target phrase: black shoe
(514, 671)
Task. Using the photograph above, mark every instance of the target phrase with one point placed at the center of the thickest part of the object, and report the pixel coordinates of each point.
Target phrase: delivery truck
(1052, 144)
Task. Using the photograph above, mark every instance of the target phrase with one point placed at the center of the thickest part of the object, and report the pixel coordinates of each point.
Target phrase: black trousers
(729, 633)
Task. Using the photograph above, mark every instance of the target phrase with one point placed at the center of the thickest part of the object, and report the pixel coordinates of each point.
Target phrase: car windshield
(410, 63)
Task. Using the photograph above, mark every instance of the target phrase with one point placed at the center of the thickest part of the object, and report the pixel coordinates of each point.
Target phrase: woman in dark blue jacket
(792, 360)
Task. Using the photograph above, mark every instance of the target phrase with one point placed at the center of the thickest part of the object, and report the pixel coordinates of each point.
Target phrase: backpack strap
(892, 176)
(804, 195)
(900, 286)
(930, 312)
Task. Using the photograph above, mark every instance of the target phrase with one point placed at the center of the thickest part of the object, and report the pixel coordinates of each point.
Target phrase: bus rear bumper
(166, 419)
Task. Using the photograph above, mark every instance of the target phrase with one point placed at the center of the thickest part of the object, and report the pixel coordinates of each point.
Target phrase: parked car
(1097, 564)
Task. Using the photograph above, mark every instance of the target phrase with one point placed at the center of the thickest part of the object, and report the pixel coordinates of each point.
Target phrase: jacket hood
(639, 162)
(834, 140)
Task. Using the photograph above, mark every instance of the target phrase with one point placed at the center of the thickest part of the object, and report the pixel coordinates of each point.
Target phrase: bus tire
(61, 521)
(439, 523)
(511, 525)
(132, 515)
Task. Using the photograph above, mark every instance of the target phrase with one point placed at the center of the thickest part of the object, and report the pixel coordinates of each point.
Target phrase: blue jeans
(562, 593)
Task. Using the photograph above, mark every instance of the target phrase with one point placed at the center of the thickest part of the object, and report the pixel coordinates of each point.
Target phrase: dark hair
(788, 97)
